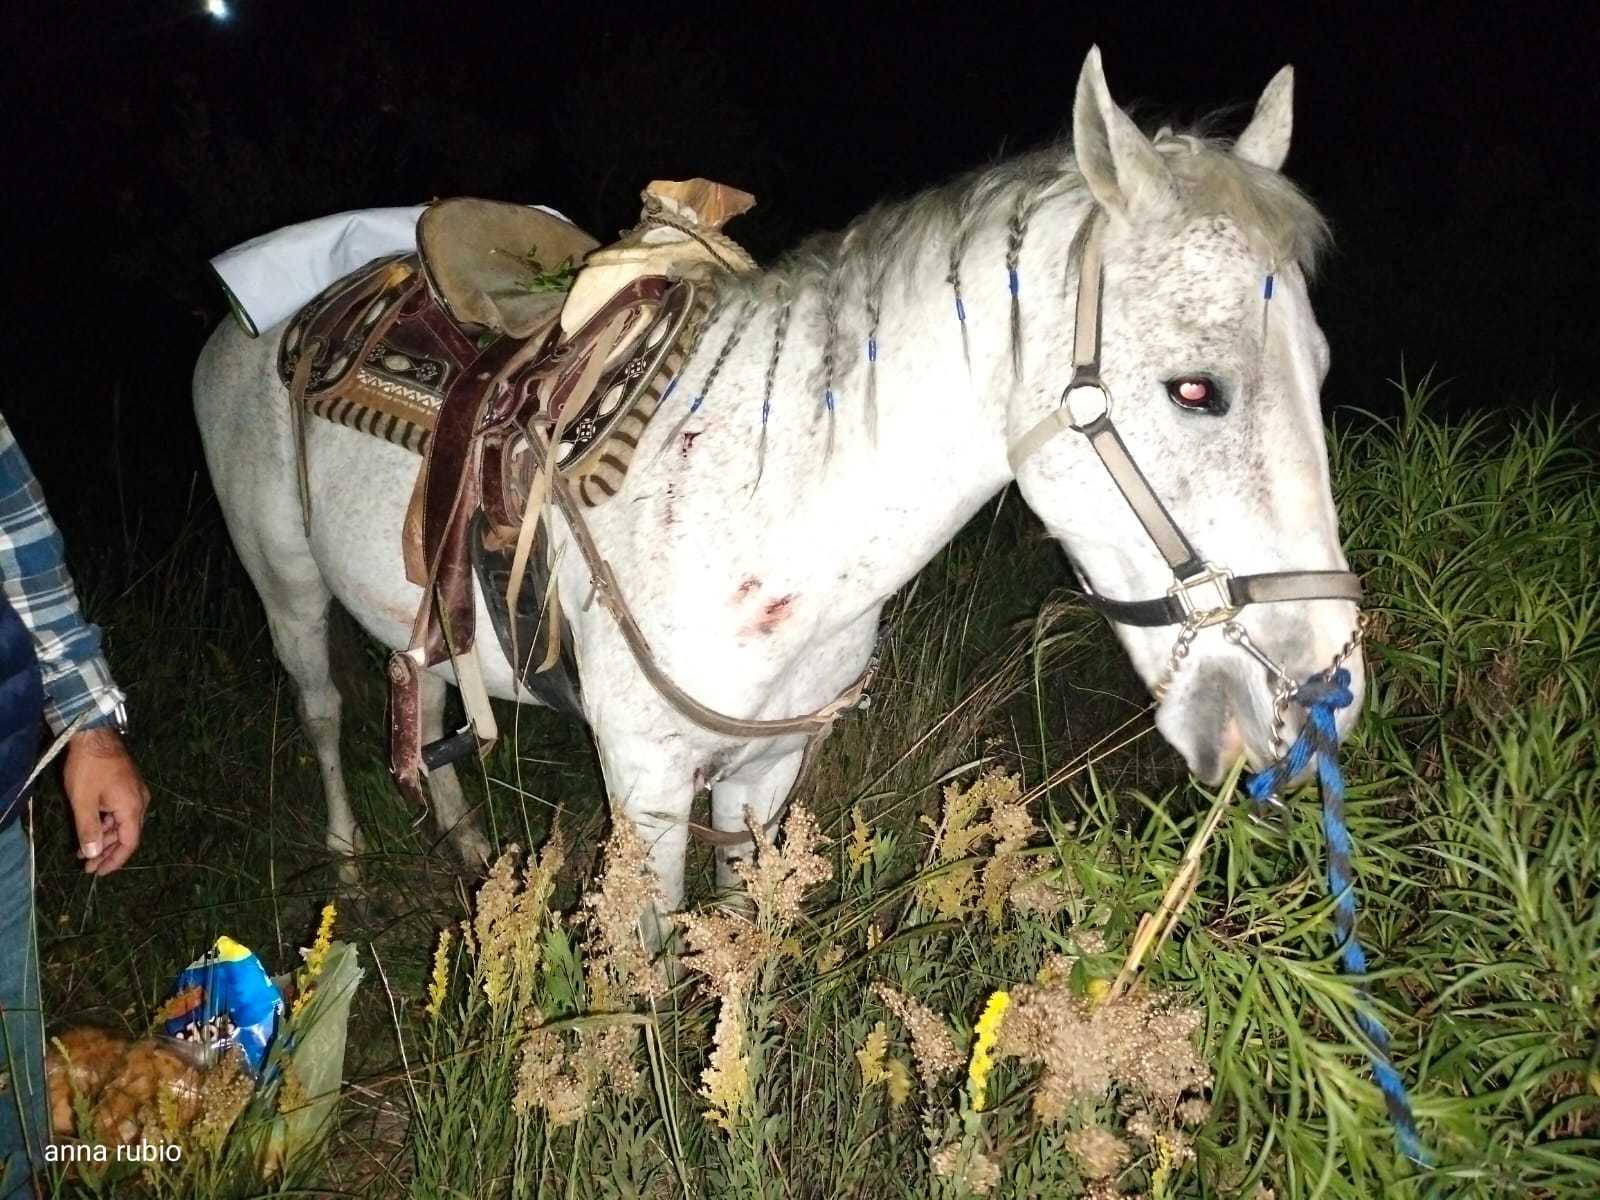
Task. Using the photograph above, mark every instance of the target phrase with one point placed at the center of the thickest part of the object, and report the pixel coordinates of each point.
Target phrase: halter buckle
(1206, 596)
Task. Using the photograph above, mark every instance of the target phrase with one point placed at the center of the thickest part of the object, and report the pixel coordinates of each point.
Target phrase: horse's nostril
(1232, 741)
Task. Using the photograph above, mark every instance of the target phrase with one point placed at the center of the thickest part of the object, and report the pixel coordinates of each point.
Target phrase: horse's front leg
(755, 794)
(651, 783)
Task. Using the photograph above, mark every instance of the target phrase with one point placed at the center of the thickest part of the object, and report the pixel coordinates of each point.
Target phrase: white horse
(843, 415)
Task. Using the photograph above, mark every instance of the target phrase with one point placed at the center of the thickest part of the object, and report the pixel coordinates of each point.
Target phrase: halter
(1202, 593)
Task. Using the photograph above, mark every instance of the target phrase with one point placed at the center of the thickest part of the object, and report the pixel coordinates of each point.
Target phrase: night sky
(1451, 144)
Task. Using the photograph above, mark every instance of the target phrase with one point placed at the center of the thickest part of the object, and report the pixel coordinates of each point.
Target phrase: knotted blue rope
(1323, 696)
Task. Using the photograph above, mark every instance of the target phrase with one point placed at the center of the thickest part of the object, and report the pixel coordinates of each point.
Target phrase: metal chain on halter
(1192, 625)
(1285, 685)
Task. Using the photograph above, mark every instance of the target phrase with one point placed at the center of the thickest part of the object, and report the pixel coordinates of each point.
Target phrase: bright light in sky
(218, 9)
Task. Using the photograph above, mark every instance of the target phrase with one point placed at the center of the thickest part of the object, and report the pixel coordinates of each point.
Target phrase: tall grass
(913, 1003)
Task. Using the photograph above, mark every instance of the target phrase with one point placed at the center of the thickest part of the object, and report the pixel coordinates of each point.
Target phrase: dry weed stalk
(1097, 1152)
(1142, 1044)
(872, 1053)
(859, 851)
(1155, 928)
(970, 1167)
(557, 1071)
(548, 1079)
(734, 952)
(932, 1045)
(618, 968)
(1040, 894)
(439, 977)
(611, 1047)
(561, 1071)
(505, 936)
(777, 880)
(879, 1066)
(967, 878)
(727, 948)
(725, 1083)
(562, 1081)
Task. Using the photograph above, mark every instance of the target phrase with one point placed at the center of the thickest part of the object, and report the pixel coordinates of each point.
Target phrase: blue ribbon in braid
(1323, 696)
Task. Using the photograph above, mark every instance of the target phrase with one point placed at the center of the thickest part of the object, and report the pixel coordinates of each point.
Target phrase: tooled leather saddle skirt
(383, 351)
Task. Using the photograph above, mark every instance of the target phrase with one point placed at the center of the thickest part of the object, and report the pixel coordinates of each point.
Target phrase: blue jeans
(24, 1109)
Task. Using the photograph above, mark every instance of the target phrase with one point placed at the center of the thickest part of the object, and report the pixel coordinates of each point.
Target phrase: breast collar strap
(1199, 587)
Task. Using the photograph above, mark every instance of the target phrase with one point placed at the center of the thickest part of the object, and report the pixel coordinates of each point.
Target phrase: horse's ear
(1265, 140)
(1123, 170)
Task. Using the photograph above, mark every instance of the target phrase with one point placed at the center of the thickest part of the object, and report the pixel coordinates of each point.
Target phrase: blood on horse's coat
(843, 415)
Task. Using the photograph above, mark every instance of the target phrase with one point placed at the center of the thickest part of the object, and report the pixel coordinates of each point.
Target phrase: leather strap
(405, 726)
(1181, 556)
(297, 420)
(445, 624)
(609, 593)
(815, 725)
(533, 510)
(730, 838)
(1241, 590)
(450, 496)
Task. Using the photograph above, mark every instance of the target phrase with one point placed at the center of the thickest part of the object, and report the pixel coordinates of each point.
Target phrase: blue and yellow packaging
(224, 999)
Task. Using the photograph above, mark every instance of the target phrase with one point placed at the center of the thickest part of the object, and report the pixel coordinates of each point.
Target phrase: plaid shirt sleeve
(33, 575)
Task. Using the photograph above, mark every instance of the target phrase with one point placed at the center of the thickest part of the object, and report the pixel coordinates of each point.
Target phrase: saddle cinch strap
(586, 392)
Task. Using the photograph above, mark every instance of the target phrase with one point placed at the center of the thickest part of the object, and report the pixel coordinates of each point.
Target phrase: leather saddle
(459, 352)
(380, 349)
(499, 266)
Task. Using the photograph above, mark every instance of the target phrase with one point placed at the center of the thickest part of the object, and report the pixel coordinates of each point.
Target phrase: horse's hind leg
(297, 614)
(456, 821)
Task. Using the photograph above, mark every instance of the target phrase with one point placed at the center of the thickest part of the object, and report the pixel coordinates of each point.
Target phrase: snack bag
(225, 999)
(132, 1088)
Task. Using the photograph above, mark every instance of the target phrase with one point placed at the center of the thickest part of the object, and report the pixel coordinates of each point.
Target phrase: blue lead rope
(1322, 697)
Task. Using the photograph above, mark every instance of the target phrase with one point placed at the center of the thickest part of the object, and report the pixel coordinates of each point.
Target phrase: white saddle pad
(269, 278)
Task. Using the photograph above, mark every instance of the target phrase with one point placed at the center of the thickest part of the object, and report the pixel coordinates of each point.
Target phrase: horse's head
(1192, 437)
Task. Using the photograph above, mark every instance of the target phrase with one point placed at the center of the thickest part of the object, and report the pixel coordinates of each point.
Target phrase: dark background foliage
(1448, 143)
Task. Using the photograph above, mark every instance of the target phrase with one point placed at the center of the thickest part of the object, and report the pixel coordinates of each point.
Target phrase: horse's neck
(868, 498)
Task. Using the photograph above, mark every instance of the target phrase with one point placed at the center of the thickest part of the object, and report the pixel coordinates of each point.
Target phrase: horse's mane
(1265, 205)
(847, 273)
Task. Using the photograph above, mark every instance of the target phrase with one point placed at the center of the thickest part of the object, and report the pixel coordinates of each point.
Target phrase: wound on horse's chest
(773, 613)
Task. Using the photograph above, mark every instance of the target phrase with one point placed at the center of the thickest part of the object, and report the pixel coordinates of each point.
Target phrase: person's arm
(107, 794)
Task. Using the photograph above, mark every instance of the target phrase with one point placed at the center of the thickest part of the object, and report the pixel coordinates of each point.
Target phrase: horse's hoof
(349, 880)
(475, 851)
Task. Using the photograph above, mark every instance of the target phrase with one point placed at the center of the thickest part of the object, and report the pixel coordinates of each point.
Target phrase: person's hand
(108, 798)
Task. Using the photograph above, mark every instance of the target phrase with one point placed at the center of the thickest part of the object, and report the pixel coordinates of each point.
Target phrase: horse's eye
(1197, 393)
